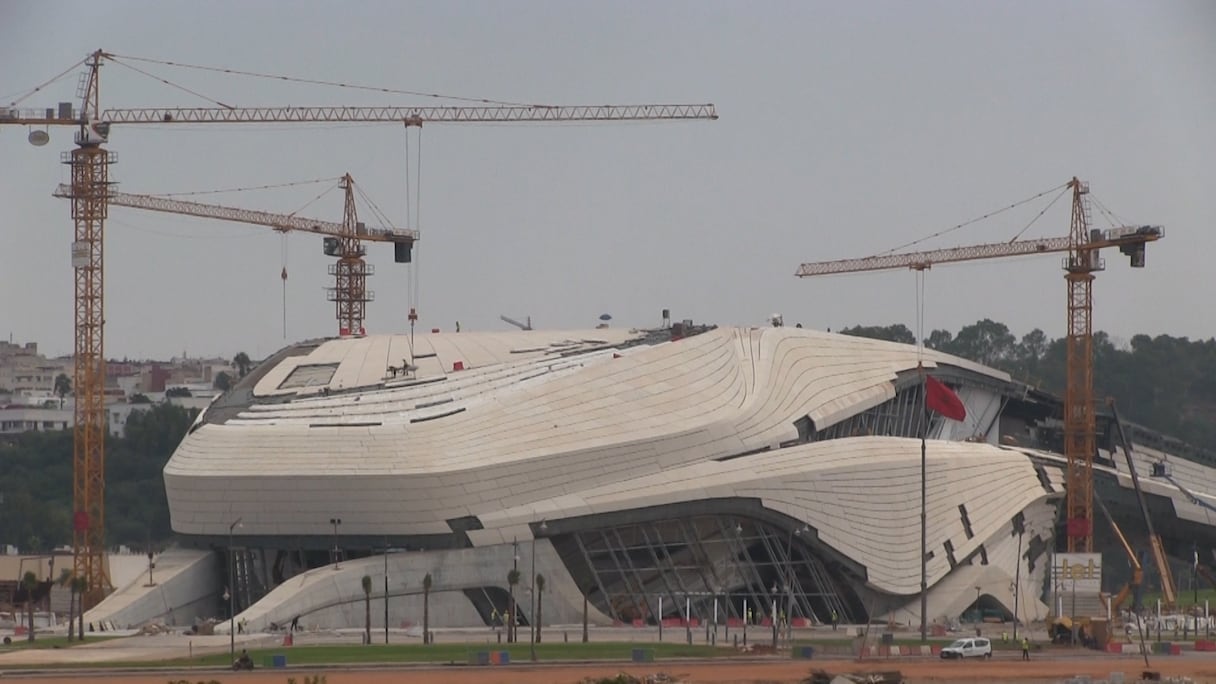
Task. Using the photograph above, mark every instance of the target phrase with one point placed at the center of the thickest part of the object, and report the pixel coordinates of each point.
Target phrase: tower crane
(90, 195)
(1083, 261)
(342, 240)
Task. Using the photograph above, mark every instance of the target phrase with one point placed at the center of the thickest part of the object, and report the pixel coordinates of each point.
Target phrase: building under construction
(766, 473)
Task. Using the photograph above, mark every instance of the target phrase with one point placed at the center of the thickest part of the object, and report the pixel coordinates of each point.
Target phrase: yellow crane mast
(1083, 246)
(90, 191)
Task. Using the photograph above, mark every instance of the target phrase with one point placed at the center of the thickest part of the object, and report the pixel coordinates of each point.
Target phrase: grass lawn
(417, 653)
(1186, 598)
(460, 653)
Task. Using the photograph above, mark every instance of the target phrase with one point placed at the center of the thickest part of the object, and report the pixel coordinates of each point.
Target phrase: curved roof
(532, 416)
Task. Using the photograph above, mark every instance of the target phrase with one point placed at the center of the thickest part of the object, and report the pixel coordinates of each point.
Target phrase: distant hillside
(1164, 383)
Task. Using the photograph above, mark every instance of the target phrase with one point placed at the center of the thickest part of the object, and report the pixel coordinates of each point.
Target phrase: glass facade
(901, 416)
(710, 568)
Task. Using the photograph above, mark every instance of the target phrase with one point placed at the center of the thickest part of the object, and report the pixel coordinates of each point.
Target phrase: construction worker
(835, 619)
(493, 617)
(1025, 648)
(749, 617)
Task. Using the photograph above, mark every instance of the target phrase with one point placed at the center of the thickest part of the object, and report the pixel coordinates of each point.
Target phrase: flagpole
(924, 429)
(923, 516)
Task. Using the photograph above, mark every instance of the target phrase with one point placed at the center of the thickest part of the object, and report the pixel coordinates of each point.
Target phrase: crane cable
(412, 316)
(171, 84)
(244, 189)
(40, 86)
(283, 277)
(312, 81)
(974, 220)
(1040, 214)
(380, 215)
(1109, 215)
(312, 201)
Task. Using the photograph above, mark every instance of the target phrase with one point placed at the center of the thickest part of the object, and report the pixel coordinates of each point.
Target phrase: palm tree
(367, 606)
(63, 387)
(540, 593)
(512, 580)
(242, 363)
(79, 586)
(426, 609)
(65, 581)
(29, 582)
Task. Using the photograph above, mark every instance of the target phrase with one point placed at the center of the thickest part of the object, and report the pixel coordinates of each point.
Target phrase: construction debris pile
(884, 677)
(626, 678)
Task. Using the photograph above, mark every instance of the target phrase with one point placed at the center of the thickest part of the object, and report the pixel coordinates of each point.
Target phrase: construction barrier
(883, 651)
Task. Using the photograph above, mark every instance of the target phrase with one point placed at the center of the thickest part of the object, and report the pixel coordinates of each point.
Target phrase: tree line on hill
(36, 476)
(36, 482)
(1165, 383)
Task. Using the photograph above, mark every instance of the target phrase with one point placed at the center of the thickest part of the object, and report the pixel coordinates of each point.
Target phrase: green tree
(512, 580)
(223, 381)
(242, 364)
(178, 392)
(986, 342)
(29, 582)
(891, 333)
(140, 398)
(426, 609)
(540, 595)
(367, 609)
(63, 387)
(941, 340)
(1029, 355)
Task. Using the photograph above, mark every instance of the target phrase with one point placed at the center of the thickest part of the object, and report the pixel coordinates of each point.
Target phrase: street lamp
(230, 592)
(386, 590)
(978, 614)
(335, 522)
(1017, 578)
(535, 598)
(514, 609)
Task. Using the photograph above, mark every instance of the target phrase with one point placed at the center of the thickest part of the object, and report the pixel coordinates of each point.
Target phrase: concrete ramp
(186, 587)
(331, 597)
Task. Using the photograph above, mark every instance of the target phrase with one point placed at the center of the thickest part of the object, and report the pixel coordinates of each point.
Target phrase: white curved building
(768, 472)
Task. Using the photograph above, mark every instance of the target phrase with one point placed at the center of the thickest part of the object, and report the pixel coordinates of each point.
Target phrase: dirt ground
(1200, 669)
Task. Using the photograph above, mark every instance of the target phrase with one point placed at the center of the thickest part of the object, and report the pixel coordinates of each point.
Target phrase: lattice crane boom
(284, 223)
(349, 293)
(1083, 260)
(993, 250)
(410, 116)
(90, 193)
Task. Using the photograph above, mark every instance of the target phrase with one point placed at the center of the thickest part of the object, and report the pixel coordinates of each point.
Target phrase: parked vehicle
(977, 647)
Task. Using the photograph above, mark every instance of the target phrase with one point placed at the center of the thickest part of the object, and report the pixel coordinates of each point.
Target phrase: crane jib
(410, 116)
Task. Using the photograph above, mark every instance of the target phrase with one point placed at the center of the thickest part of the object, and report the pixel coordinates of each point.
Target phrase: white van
(977, 647)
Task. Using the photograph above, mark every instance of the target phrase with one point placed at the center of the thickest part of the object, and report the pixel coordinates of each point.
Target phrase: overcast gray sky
(846, 129)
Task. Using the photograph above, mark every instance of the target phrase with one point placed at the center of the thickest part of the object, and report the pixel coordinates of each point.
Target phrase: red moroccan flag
(942, 399)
